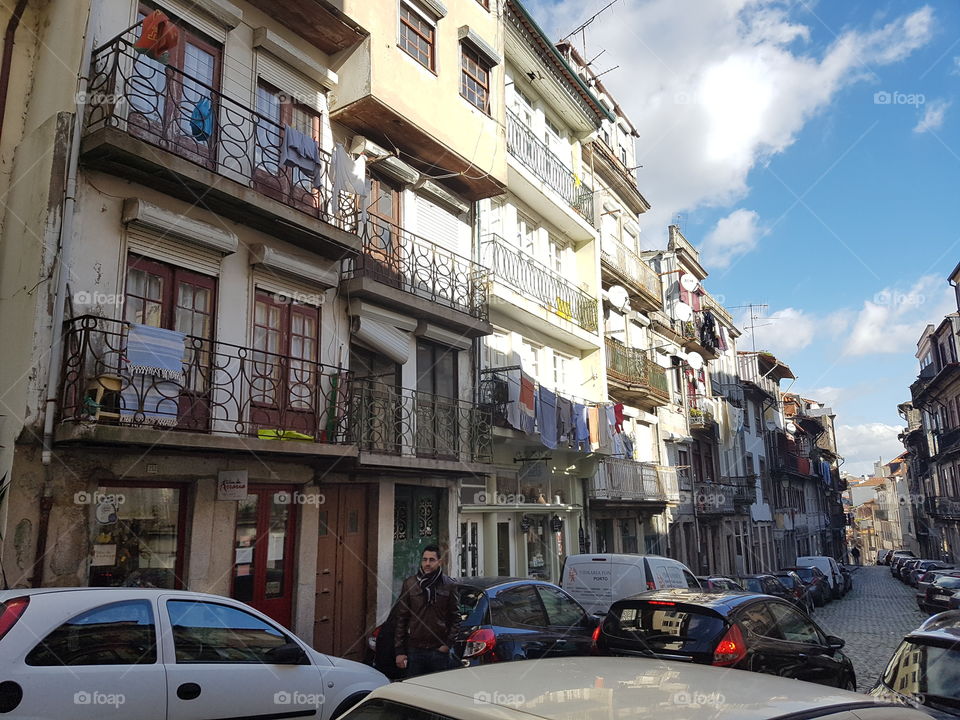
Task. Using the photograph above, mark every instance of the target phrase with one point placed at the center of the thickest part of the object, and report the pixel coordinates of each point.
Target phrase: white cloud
(734, 235)
(716, 87)
(781, 332)
(934, 114)
(861, 445)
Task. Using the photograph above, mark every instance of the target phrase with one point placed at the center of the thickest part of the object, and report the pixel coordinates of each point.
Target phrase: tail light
(731, 649)
(11, 612)
(372, 640)
(480, 643)
(651, 585)
(595, 638)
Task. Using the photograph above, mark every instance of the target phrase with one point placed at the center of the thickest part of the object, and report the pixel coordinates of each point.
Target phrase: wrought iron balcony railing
(948, 441)
(172, 110)
(225, 389)
(530, 277)
(634, 367)
(710, 498)
(391, 420)
(632, 269)
(408, 262)
(944, 507)
(542, 162)
(624, 479)
(742, 487)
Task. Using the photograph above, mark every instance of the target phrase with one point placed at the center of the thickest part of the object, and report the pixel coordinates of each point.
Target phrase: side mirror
(834, 642)
(289, 654)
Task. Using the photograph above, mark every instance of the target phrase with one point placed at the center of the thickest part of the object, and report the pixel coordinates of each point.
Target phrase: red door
(264, 569)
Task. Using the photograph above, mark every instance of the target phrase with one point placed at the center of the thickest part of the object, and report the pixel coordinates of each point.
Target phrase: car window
(787, 581)
(205, 632)
(121, 633)
(663, 626)
(386, 710)
(561, 609)
(772, 587)
(519, 606)
(947, 583)
(468, 602)
(691, 579)
(756, 618)
(794, 627)
(753, 584)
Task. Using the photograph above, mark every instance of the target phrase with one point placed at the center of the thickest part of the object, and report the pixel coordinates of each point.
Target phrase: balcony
(621, 479)
(631, 372)
(529, 277)
(750, 373)
(700, 415)
(540, 160)
(228, 398)
(948, 442)
(943, 507)
(429, 281)
(158, 126)
(711, 499)
(397, 426)
(743, 488)
(627, 268)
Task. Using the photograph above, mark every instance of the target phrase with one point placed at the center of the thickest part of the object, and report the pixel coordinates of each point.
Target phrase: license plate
(941, 596)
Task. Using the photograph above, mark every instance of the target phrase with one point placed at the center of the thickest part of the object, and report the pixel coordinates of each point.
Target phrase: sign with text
(232, 485)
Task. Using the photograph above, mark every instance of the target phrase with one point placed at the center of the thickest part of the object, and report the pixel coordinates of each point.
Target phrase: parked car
(925, 669)
(802, 596)
(906, 567)
(747, 631)
(954, 602)
(599, 687)
(829, 567)
(897, 557)
(718, 584)
(816, 581)
(596, 580)
(926, 580)
(923, 566)
(153, 654)
(883, 557)
(937, 597)
(767, 584)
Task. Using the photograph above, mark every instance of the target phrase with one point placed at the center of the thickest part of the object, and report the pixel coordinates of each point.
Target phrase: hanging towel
(513, 400)
(607, 420)
(147, 400)
(547, 417)
(593, 421)
(349, 175)
(618, 417)
(155, 351)
(528, 411)
(300, 150)
(580, 428)
(565, 435)
(201, 120)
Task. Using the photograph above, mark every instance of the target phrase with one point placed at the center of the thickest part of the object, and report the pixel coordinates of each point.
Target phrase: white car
(599, 688)
(149, 654)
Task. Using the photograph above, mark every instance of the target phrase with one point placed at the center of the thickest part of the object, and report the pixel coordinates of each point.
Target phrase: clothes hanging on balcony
(527, 403)
(155, 351)
(201, 120)
(148, 400)
(607, 431)
(565, 430)
(299, 150)
(513, 399)
(618, 417)
(349, 175)
(547, 417)
(581, 427)
(593, 421)
(722, 339)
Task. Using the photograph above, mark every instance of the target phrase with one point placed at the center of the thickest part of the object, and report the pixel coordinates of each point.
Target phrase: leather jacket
(421, 626)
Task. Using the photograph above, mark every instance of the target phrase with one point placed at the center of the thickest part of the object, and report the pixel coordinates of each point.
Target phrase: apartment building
(916, 459)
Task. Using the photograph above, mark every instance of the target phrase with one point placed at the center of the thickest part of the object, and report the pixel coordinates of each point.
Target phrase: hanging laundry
(581, 427)
(593, 421)
(158, 36)
(349, 175)
(513, 400)
(527, 403)
(618, 417)
(547, 417)
(565, 436)
(201, 120)
(300, 151)
(628, 446)
(607, 432)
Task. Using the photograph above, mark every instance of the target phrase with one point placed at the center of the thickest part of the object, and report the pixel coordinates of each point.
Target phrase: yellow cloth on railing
(270, 434)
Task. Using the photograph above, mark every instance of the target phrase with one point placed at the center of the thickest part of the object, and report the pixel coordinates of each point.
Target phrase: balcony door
(438, 415)
(177, 105)
(284, 374)
(165, 296)
(378, 409)
(384, 253)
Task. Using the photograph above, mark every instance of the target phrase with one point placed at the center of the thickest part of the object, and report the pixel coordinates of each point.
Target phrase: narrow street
(872, 618)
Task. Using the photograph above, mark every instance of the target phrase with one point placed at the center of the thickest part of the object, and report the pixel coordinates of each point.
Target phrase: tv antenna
(754, 316)
(583, 26)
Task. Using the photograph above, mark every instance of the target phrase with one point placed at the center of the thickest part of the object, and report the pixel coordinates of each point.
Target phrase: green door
(416, 524)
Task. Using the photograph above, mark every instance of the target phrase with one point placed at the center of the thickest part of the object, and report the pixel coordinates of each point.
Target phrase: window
(519, 606)
(205, 632)
(746, 414)
(522, 106)
(794, 627)
(474, 78)
(756, 619)
(749, 464)
(527, 232)
(496, 349)
(623, 156)
(437, 406)
(561, 609)
(562, 371)
(557, 250)
(417, 36)
(758, 417)
(530, 358)
(121, 633)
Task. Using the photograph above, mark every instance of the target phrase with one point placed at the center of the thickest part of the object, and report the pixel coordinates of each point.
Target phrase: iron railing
(944, 507)
(947, 441)
(165, 107)
(530, 277)
(542, 162)
(633, 269)
(224, 388)
(635, 367)
(625, 479)
(391, 420)
(742, 487)
(700, 414)
(713, 499)
(408, 262)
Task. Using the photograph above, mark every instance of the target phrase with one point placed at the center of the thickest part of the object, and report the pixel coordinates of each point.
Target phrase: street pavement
(872, 619)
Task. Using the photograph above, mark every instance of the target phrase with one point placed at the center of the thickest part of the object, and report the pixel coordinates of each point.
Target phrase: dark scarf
(428, 581)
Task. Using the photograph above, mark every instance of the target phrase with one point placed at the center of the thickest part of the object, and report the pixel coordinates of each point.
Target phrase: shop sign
(232, 485)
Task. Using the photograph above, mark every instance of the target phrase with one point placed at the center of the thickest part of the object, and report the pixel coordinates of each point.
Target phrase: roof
(585, 687)
(485, 583)
(944, 627)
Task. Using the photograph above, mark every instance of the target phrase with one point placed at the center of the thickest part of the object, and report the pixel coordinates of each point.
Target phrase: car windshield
(919, 669)
(805, 573)
(948, 583)
(752, 584)
(664, 627)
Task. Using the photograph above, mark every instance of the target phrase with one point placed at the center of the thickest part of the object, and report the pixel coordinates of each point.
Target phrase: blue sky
(811, 151)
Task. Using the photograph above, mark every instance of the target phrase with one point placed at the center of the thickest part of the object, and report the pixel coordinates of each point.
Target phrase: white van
(596, 581)
(828, 566)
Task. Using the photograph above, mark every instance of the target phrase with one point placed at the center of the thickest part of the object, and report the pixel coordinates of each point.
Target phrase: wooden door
(339, 626)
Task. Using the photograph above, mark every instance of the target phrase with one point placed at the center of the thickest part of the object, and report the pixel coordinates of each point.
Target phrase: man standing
(426, 618)
(856, 555)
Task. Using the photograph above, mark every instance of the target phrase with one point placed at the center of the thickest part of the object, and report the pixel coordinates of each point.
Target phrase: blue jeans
(424, 662)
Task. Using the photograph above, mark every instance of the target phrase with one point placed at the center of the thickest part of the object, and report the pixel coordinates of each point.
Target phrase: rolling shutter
(143, 240)
(288, 80)
(439, 225)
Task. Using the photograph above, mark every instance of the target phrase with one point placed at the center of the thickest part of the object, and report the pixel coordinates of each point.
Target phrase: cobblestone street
(872, 618)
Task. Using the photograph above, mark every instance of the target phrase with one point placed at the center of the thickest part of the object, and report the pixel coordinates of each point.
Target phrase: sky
(810, 150)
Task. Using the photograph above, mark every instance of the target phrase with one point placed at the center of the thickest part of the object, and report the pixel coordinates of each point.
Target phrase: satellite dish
(790, 427)
(618, 296)
(683, 312)
(688, 282)
(695, 360)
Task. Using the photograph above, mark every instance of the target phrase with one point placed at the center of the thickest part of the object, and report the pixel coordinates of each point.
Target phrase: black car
(718, 583)
(747, 631)
(800, 592)
(816, 581)
(923, 567)
(764, 583)
(925, 668)
(939, 592)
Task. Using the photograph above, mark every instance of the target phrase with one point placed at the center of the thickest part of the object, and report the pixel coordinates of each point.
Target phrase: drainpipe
(5, 64)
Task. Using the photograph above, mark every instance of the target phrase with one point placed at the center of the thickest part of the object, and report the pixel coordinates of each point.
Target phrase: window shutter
(303, 89)
(143, 240)
(288, 287)
(188, 12)
(439, 225)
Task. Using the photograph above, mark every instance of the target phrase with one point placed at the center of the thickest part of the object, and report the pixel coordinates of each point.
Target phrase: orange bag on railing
(158, 36)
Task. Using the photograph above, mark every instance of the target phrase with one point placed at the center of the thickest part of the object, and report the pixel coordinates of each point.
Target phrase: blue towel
(581, 431)
(155, 351)
(547, 417)
(201, 120)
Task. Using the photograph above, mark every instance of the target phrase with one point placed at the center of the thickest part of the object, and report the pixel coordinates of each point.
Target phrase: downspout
(6, 63)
